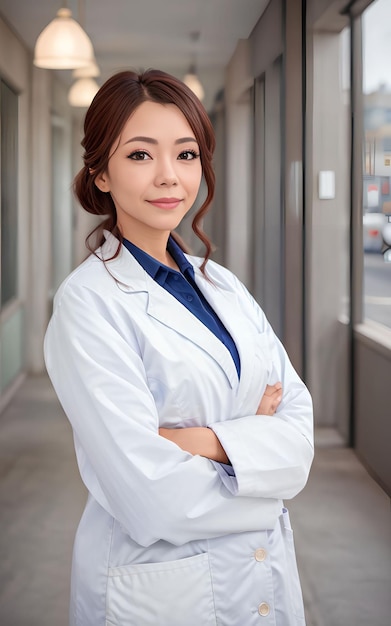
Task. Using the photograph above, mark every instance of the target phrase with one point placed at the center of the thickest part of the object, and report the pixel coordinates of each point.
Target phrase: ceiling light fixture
(85, 87)
(82, 92)
(63, 44)
(88, 71)
(193, 82)
(191, 78)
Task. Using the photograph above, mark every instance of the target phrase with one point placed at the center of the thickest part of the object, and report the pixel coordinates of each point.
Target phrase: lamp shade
(82, 92)
(63, 44)
(88, 71)
(192, 81)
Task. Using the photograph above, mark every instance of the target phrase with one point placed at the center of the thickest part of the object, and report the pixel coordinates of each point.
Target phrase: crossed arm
(203, 441)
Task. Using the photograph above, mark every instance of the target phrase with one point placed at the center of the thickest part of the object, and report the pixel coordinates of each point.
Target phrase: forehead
(156, 120)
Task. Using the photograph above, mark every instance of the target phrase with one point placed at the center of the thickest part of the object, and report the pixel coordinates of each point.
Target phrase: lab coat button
(260, 554)
(190, 298)
(264, 609)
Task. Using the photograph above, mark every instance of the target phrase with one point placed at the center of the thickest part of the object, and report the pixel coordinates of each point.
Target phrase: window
(9, 195)
(377, 161)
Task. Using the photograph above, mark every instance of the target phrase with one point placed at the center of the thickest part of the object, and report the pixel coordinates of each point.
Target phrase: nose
(166, 174)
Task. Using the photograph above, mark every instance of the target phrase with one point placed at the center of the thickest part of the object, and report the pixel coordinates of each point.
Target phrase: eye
(139, 155)
(188, 155)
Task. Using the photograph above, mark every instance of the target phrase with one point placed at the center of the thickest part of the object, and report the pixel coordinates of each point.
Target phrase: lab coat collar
(126, 271)
(132, 278)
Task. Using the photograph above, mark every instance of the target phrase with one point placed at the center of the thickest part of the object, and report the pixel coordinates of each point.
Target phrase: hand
(270, 400)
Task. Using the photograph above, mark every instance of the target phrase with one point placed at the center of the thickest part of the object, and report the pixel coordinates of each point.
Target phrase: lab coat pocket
(294, 580)
(171, 593)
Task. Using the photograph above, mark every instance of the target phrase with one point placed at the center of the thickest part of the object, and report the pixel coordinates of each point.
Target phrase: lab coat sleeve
(271, 455)
(153, 488)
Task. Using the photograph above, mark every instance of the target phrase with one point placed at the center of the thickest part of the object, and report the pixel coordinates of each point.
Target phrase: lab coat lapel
(225, 303)
(169, 311)
(162, 306)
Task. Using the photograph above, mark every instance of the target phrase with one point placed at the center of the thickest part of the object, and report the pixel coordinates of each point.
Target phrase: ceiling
(148, 33)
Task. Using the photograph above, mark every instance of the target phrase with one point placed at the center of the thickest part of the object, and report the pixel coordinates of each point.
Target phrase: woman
(190, 424)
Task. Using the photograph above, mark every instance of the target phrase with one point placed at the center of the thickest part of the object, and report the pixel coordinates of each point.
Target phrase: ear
(102, 182)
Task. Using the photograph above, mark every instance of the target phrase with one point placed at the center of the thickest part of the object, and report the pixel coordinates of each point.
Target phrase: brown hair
(108, 113)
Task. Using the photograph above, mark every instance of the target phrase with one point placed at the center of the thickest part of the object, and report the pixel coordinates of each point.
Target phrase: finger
(274, 406)
(276, 396)
(271, 389)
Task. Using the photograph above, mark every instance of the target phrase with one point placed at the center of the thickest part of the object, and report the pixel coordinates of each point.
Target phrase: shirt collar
(156, 269)
(177, 254)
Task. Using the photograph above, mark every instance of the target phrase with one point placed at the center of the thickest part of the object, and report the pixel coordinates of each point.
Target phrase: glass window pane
(9, 184)
(377, 161)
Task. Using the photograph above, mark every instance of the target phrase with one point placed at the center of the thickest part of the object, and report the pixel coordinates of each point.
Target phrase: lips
(165, 203)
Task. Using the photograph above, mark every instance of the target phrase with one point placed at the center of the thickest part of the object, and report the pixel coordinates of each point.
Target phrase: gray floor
(341, 521)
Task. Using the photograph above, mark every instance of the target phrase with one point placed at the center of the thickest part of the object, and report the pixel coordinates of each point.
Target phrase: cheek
(129, 182)
(195, 179)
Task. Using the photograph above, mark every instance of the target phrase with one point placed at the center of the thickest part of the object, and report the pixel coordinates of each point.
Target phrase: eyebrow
(155, 142)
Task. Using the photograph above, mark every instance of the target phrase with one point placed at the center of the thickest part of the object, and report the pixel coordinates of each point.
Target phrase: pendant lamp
(191, 79)
(193, 82)
(63, 44)
(88, 71)
(85, 86)
(82, 92)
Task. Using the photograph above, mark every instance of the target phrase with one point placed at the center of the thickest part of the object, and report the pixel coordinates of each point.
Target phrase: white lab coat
(167, 538)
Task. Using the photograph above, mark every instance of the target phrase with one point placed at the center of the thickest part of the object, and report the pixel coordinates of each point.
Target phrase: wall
(275, 219)
(61, 175)
(342, 389)
(23, 322)
(293, 187)
(327, 232)
(268, 207)
(41, 217)
(372, 399)
(15, 70)
(238, 143)
(276, 58)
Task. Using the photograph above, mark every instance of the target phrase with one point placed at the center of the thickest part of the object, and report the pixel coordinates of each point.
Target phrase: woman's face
(154, 172)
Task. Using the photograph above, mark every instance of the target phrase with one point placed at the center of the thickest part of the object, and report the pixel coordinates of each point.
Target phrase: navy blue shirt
(183, 287)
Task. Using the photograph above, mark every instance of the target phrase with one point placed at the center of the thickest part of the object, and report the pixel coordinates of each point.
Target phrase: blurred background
(299, 93)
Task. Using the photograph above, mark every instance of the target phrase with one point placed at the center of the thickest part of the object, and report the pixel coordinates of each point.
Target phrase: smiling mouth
(165, 203)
